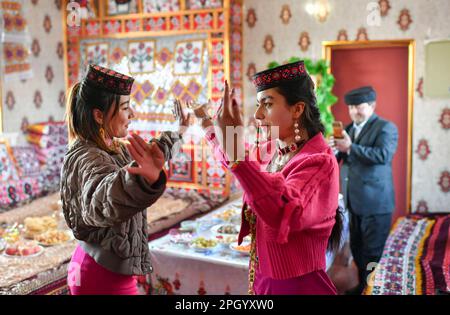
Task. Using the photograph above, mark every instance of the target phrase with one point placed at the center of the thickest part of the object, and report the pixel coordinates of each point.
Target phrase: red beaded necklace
(291, 148)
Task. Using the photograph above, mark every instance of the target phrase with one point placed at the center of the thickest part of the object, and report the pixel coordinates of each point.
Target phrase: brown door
(386, 69)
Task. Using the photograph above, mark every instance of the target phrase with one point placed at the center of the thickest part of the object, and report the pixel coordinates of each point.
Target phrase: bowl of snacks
(243, 249)
(23, 249)
(205, 224)
(225, 241)
(227, 215)
(188, 226)
(54, 237)
(39, 225)
(225, 229)
(201, 244)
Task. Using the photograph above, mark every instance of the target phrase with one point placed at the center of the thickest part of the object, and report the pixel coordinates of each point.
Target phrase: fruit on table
(22, 249)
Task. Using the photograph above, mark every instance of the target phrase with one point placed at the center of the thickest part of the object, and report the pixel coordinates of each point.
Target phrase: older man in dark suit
(367, 151)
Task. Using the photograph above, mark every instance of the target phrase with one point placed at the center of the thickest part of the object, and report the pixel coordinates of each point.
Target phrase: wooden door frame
(329, 46)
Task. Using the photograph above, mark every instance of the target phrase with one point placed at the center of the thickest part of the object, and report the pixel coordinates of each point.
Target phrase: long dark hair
(303, 91)
(81, 102)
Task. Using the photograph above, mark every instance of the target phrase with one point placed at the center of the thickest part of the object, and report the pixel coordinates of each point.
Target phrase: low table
(179, 269)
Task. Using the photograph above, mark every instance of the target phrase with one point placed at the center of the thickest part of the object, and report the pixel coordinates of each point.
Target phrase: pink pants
(314, 283)
(87, 277)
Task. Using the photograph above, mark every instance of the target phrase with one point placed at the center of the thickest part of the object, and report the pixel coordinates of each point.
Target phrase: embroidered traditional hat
(274, 77)
(361, 95)
(109, 80)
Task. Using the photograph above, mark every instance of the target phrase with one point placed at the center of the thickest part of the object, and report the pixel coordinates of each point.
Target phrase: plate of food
(227, 215)
(225, 241)
(23, 249)
(34, 226)
(188, 226)
(54, 237)
(225, 229)
(243, 249)
(201, 244)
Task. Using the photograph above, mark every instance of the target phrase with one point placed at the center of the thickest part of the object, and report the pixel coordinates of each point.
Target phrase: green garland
(325, 98)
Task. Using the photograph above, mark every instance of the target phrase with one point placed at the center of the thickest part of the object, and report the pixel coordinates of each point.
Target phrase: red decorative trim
(273, 77)
(109, 80)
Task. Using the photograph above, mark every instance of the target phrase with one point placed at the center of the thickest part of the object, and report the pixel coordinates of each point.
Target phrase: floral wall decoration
(445, 119)
(141, 56)
(423, 149)
(342, 35)
(188, 57)
(304, 41)
(285, 14)
(268, 44)
(251, 18)
(385, 6)
(404, 20)
(15, 42)
(362, 34)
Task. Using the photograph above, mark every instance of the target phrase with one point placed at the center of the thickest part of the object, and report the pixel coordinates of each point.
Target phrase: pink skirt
(314, 283)
(87, 277)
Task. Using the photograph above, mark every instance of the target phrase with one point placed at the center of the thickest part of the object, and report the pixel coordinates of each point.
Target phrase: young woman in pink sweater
(290, 196)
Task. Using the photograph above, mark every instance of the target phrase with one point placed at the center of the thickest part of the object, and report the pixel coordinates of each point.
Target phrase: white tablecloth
(178, 269)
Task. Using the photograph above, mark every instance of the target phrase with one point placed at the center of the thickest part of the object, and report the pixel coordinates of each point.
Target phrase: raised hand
(182, 118)
(148, 156)
(229, 115)
(201, 112)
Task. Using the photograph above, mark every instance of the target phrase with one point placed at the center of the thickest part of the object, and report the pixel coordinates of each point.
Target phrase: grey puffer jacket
(105, 206)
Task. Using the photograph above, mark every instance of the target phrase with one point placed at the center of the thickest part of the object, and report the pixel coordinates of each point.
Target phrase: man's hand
(342, 145)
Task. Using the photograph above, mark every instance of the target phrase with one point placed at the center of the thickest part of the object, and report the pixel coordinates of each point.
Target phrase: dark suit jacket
(366, 173)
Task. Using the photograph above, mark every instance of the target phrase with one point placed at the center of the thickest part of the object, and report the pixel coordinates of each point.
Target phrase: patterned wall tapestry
(41, 97)
(302, 35)
(14, 42)
(164, 68)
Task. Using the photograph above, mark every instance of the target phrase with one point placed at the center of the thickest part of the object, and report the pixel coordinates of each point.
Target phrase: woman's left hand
(182, 118)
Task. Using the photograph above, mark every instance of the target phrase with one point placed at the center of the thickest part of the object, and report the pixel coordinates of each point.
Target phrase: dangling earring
(102, 133)
(297, 132)
(258, 135)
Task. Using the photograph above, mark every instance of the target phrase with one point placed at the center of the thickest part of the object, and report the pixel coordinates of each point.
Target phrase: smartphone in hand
(338, 130)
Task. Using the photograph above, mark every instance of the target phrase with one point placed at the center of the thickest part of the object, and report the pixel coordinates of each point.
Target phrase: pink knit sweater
(295, 208)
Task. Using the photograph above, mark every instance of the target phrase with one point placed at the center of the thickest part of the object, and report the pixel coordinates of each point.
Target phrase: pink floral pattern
(422, 207)
(445, 119)
(404, 20)
(8, 169)
(423, 150)
(444, 181)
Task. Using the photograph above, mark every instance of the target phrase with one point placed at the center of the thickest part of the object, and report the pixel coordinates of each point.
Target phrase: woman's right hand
(148, 156)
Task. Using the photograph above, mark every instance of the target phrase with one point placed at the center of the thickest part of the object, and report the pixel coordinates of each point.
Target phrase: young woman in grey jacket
(106, 189)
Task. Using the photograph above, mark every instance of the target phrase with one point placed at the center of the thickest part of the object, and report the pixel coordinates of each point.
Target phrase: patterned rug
(415, 259)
